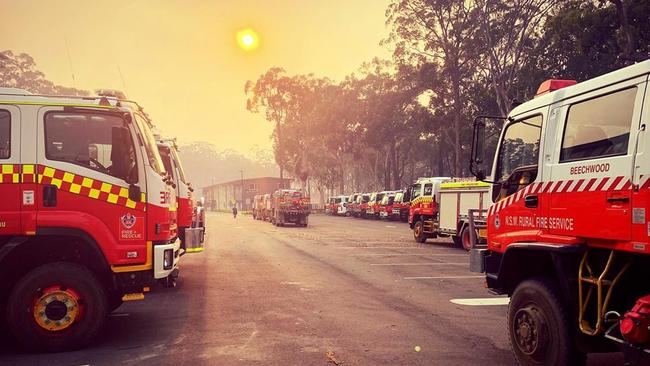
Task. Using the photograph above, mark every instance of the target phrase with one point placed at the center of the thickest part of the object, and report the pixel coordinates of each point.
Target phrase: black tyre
(418, 232)
(538, 325)
(57, 307)
(464, 240)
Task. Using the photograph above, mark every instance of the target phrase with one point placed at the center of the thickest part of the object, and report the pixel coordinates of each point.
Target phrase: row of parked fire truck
(284, 206)
(562, 213)
(433, 207)
(95, 210)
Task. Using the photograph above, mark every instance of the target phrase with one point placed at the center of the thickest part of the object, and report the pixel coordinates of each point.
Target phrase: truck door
(518, 202)
(591, 179)
(87, 170)
(10, 169)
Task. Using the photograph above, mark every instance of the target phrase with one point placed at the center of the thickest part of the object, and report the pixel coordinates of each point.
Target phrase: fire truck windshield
(519, 147)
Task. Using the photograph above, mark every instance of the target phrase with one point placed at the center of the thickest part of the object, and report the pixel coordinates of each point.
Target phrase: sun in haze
(247, 39)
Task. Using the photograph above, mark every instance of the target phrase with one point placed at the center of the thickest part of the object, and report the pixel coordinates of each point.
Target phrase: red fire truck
(267, 207)
(191, 236)
(85, 217)
(290, 205)
(423, 208)
(401, 206)
(568, 234)
(386, 205)
(258, 207)
(351, 203)
(372, 208)
(361, 205)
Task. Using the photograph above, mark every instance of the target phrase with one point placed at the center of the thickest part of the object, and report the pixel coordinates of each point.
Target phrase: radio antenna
(119, 70)
(67, 47)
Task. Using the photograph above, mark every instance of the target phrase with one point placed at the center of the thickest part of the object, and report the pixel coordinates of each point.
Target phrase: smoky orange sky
(180, 59)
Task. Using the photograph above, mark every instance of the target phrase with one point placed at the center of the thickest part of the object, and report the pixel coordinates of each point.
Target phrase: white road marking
(119, 315)
(418, 264)
(391, 226)
(441, 277)
(238, 227)
(426, 248)
(403, 254)
(488, 301)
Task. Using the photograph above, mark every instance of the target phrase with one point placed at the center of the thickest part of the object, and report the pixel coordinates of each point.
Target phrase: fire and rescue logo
(132, 227)
(128, 221)
(497, 222)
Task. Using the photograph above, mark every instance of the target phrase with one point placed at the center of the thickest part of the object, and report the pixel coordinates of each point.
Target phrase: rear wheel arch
(522, 261)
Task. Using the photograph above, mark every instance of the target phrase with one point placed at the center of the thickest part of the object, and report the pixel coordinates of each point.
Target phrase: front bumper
(159, 272)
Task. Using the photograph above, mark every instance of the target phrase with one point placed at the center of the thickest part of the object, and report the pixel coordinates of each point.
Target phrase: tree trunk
(387, 170)
(457, 118)
(628, 46)
(396, 167)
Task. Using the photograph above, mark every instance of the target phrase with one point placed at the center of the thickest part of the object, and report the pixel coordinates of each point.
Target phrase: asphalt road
(344, 291)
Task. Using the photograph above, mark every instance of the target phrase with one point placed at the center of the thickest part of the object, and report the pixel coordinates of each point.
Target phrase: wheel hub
(57, 308)
(530, 330)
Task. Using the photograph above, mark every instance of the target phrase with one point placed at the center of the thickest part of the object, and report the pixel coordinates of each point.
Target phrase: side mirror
(476, 164)
(134, 192)
(122, 155)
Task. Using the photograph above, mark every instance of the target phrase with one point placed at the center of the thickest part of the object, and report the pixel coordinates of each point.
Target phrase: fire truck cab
(568, 233)
(191, 236)
(85, 217)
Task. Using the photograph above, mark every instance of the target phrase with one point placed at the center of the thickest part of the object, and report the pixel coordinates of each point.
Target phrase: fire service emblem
(128, 221)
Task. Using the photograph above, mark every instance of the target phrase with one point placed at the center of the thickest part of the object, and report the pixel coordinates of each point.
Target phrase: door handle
(618, 199)
(49, 195)
(531, 201)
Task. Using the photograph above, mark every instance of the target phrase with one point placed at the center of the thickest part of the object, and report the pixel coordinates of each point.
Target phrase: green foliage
(393, 121)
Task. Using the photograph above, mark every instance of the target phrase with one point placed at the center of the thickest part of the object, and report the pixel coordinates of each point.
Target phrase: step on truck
(191, 236)
(85, 217)
(568, 231)
(290, 206)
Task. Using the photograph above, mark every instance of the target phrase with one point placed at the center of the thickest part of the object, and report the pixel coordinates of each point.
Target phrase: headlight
(168, 259)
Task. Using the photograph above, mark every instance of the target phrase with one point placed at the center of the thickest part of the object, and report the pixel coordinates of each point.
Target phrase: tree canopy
(394, 120)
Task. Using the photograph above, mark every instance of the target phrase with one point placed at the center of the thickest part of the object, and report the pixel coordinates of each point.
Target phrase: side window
(166, 159)
(598, 127)
(5, 135)
(97, 141)
(415, 191)
(428, 189)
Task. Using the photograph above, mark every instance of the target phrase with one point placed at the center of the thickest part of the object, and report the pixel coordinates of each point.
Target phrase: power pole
(242, 189)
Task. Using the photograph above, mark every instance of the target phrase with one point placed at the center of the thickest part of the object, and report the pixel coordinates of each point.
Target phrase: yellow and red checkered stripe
(69, 182)
(9, 173)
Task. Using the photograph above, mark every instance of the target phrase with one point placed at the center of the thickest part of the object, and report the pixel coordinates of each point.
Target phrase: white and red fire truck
(423, 209)
(85, 218)
(290, 206)
(568, 234)
(455, 200)
(191, 236)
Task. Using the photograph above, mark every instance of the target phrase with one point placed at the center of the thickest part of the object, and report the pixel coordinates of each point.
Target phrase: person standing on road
(234, 212)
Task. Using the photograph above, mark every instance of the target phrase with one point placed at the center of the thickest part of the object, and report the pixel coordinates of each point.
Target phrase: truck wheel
(464, 240)
(418, 232)
(538, 325)
(57, 307)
